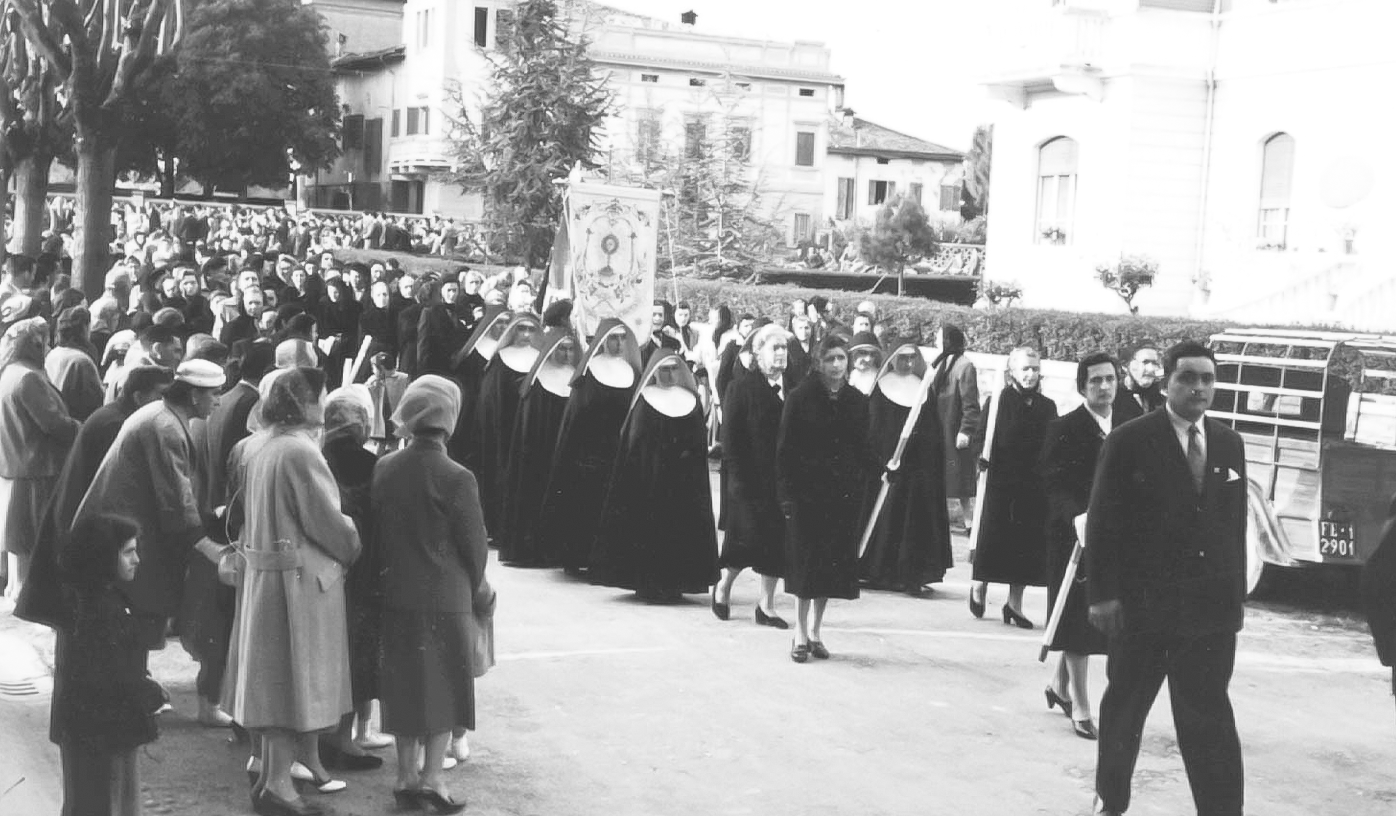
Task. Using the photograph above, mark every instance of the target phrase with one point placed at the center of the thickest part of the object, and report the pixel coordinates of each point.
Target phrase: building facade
(1233, 141)
(868, 165)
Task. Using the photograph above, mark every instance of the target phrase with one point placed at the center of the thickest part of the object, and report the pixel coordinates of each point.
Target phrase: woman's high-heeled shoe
(269, 804)
(406, 799)
(1013, 617)
(976, 608)
(1055, 699)
(1085, 729)
(439, 803)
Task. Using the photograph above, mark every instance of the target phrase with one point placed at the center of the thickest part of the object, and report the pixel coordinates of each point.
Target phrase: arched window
(1056, 190)
(1276, 181)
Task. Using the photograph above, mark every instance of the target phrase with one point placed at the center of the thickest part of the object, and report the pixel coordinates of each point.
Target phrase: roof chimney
(689, 18)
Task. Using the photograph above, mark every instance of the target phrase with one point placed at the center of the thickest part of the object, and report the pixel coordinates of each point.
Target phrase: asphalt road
(604, 705)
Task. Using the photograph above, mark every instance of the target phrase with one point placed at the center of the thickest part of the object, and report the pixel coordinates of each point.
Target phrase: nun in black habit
(822, 467)
(545, 393)
(656, 535)
(586, 446)
(910, 545)
(468, 369)
(500, 386)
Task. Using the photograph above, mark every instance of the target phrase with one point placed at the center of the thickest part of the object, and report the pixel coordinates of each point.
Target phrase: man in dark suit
(1166, 560)
(1140, 390)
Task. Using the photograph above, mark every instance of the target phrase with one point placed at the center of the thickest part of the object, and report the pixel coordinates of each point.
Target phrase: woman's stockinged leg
(768, 594)
(802, 621)
(819, 604)
(1077, 669)
(407, 774)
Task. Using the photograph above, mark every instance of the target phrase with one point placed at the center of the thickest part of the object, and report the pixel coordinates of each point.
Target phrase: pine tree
(541, 116)
(900, 234)
(974, 196)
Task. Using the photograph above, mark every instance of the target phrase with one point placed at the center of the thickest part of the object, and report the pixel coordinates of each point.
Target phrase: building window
(745, 86)
(802, 227)
(695, 134)
(843, 208)
(804, 149)
(949, 197)
(915, 191)
(353, 132)
(696, 82)
(1276, 180)
(884, 161)
(740, 136)
(482, 22)
(503, 27)
(880, 191)
(649, 132)
(1056, 190)
(649, 77)
(397, 119)
(417, 120)
(807, 92)
(424, 28)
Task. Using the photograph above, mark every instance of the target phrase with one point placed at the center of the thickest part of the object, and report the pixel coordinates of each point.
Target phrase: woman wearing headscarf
(755, 528)
(910, 544)
(865, 360)
(36, 432)
(377, 322)
(288, 666)
(246, 325)
(103, 701)
(822, 464)
(72, 365)
(586, 446)
(545, 393)
(348, 419)
(656, 534)
(500, 386)
(338, 323)
(431, 536)
(956, 387)
(468, 370)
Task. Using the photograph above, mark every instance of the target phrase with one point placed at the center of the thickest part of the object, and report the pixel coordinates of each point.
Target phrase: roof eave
(896, 154)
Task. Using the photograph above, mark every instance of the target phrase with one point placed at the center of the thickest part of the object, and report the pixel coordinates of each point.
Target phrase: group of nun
(593, 459)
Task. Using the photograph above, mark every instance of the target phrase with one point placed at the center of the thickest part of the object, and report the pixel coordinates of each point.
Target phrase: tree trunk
(92, 235)
(31, 200)
(901, 279)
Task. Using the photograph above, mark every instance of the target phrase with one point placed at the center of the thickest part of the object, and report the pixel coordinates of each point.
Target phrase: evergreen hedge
(996, 330)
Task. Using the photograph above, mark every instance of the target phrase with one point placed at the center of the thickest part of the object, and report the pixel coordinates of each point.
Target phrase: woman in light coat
(288, 667)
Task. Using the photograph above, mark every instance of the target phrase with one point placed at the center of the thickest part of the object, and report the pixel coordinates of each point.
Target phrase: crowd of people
(313, 456)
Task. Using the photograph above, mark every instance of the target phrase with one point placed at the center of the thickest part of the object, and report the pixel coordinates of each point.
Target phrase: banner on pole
(604, 255)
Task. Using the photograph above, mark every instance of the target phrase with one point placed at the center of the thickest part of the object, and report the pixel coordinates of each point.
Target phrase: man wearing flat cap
(151, 475)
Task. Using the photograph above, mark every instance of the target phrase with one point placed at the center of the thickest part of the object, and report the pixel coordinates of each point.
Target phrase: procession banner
(610, 246)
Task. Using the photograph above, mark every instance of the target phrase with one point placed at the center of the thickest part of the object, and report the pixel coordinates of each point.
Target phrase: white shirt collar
(1180, 429)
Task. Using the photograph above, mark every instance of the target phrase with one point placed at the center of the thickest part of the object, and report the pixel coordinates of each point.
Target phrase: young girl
(103, 700)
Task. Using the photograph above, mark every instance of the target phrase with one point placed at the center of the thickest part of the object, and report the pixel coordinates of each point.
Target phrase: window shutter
(804, 149)
(482, 21)
(397, 123)
(426, 119)
(412, 121)
(845, 201)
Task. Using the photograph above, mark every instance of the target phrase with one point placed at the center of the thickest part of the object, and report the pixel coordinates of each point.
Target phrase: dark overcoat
(755, 526)
(1010, 549)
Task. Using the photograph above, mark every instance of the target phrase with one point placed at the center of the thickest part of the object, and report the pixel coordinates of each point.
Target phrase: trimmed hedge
(997, 330)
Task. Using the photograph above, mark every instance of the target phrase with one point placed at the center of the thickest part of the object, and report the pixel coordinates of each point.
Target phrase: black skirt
(426, 680)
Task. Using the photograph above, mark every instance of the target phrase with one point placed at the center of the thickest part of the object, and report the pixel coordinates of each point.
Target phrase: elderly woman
(430, 529)
(348, 420)
(288, 667)
(72, 365)
(35, 434)
(822, 464)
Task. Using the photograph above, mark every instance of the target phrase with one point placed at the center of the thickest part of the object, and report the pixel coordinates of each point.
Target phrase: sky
(907, 64)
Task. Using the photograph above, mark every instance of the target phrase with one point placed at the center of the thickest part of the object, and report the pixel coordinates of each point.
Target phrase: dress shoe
(1013, 617)
(773, 621)
(211, 716)
(976, 607)
(326, 784)
(1055, 699)
(338, 760)
(269, 804)
(817, 650)
(1085, 729)
(799, 652)
(438, 802)
(374, 741)
(721, 610)
(406, 799)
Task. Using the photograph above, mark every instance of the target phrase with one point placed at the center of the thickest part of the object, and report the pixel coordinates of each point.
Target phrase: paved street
(603, 705)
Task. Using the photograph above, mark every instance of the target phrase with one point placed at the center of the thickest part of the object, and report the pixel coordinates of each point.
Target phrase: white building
(869, 165)
(1234, 141)
(673, 83)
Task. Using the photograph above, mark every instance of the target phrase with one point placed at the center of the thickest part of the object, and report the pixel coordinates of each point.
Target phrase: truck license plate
(1336, 540)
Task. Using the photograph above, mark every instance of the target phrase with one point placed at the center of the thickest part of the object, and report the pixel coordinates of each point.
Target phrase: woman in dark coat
(500, 388)
(656, 535)
(377, 322)
(822, 466)
(910, 546)
(468, 369)
(430, 530)
(586, 446)
(1068, 471)
(348, 418)
(338, 319)
(103, 700)
(245, 325)
(754, 532)
(545, 393)
(1009, 548)
(957, 402)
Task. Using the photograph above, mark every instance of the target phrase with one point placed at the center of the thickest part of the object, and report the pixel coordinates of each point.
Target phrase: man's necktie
(1197, 463)
(776, 389)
